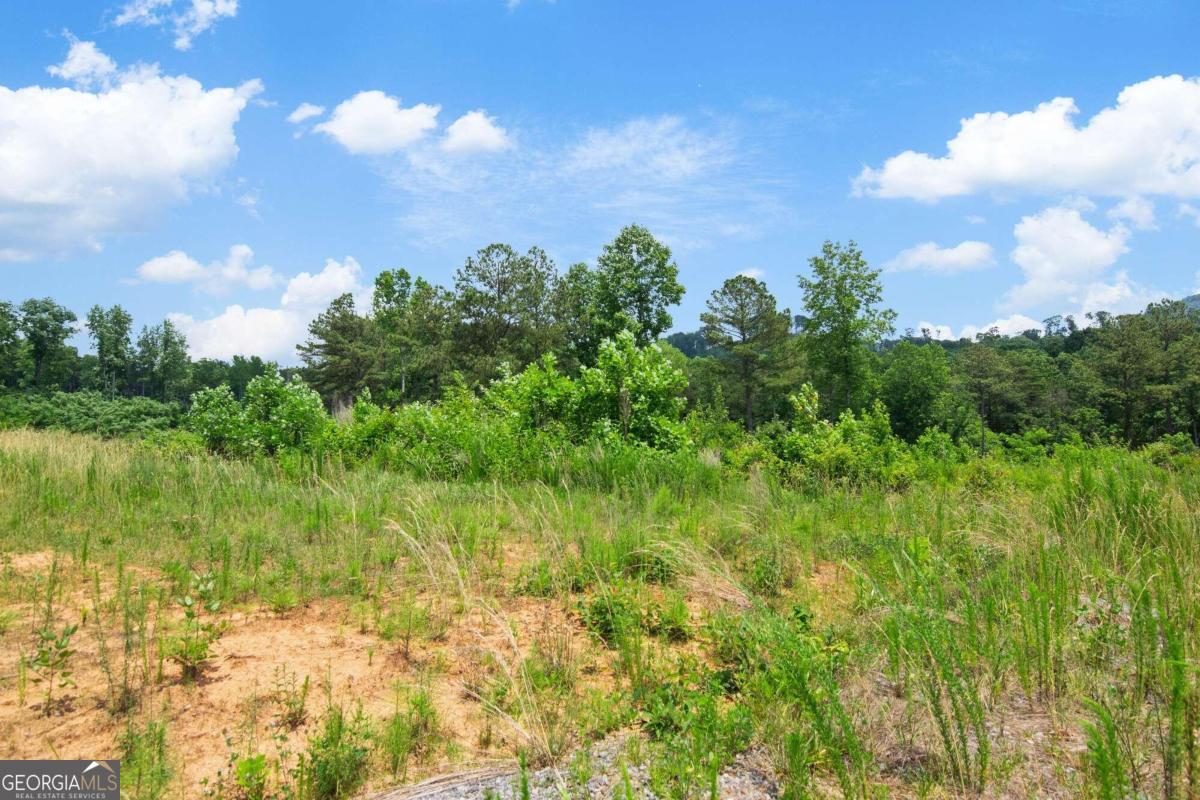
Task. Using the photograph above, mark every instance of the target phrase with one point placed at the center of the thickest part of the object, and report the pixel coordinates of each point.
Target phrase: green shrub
(335, 764)
(857, 450)
(219, 420)
(614, 614)
(284, 414)
(86, 412)
(635, 393)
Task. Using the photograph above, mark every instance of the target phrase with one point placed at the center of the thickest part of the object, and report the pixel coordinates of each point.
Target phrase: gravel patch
(749, 777)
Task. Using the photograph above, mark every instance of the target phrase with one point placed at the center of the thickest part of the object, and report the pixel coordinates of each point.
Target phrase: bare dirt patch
(325, 641)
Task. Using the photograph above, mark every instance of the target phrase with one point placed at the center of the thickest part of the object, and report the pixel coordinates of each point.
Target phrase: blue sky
(156, 153)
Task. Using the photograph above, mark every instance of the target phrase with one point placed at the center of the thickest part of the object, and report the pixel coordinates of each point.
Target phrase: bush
(285, 414)
(1170, 449)
(858, 450)
(633, 392)
(275, 415)
(336, 762)
(87, 412)
(217, 418)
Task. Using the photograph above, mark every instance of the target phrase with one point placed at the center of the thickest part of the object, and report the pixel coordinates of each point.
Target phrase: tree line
(1130, 377)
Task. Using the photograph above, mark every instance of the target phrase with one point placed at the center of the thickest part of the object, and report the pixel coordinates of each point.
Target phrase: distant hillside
(1193, 302)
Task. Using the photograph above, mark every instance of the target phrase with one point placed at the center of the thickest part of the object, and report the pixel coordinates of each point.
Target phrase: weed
(191, 648)
(145, 765)
(50, 662)
(335, 763)
(411, 732)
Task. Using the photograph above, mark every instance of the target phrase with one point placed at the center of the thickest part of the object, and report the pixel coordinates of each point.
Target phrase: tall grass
(1064, 590)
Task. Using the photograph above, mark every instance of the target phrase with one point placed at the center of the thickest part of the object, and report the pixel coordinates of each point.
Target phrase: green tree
(11, 346)
(842, 323)
(752, 333)
(505, 306)
(161, 365)
(987, 379)
(243, 369)
(45, 326)
(634, 285)
(208, 373)
(342, 354)
(1172, 322)
(414, 318)
(913, 384)
(575, 308)
(1185, 357)
(1128, 359)
(110, 331)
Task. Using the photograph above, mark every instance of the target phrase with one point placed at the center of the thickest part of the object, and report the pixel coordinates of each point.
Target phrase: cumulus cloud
(305, 111)
(1137, 211)
(930, 257)
(475, 132)
(1119, 294)
(1061, 254)
(85, 65)
(80, 165)
(196, 16)
(374, 123)
(1148, 143)
(218, 277)
(1005, 326)
(308, 290)
(271, 332)
(753, 272)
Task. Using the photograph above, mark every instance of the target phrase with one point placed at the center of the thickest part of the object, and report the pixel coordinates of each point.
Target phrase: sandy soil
(236, 692)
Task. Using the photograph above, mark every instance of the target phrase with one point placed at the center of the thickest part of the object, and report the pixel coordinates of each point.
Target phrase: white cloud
(1118, 295)
(305, 111)
(663, 148)
(1005, 326)
(373, 123)
(216, 278)
(753, 272)
(313, 291)
(175, 267)
(13, 255)
(929, 257)
(475, 132)
(85, 65)
(1187, 210)
(272, 332)
(249, 201)
(196, 17)
(690, 182)
(141, 12)
(939, 332)
(1137, 211)
(1060, 254)
(1146, 144)
(975, 219)
(79, 165)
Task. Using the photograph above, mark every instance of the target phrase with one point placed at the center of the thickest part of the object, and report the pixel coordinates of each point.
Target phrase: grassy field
(244, 629)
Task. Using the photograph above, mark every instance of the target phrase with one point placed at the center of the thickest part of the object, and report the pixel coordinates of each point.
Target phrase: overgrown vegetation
(914, 571)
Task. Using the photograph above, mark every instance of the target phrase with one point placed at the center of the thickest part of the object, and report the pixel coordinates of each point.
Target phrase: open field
(1008, 631)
